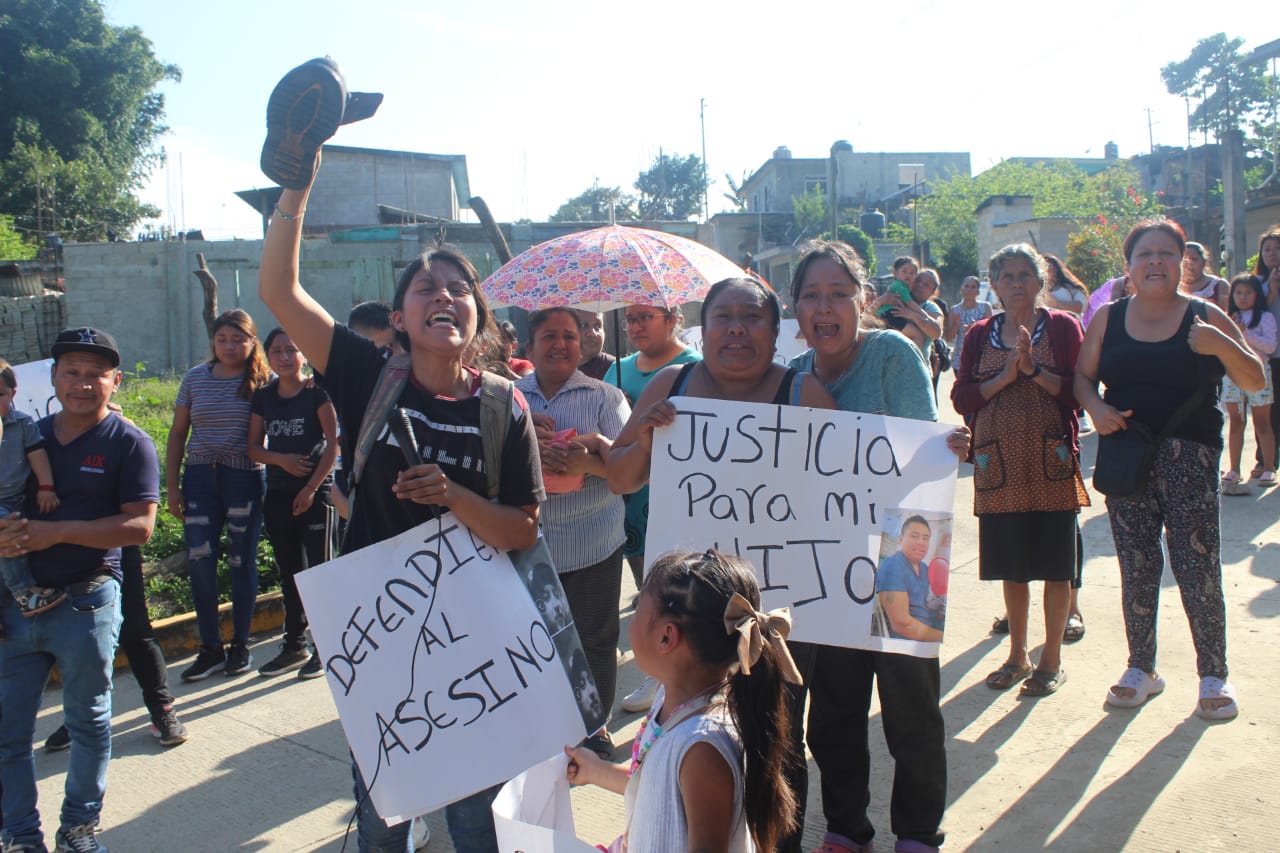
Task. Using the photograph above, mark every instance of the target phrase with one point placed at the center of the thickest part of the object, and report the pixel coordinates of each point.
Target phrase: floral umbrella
(607, 268)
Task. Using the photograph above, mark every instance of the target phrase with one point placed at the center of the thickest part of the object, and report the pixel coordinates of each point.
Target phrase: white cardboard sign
(805, 495)
(533, 812)
(446, 676)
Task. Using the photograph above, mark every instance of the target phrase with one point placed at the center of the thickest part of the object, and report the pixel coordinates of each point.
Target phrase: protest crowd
(333, 437)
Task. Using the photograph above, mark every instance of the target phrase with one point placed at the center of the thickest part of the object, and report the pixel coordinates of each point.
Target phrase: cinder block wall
(28, 326)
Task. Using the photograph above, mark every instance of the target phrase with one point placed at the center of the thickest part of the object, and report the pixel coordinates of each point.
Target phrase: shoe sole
(57, 747)
(189, 677)
(305, 110)
(307, 676)
(272, 673)
(172, 740)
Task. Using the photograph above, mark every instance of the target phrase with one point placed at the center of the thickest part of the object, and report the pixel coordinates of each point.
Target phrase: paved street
(266, 768)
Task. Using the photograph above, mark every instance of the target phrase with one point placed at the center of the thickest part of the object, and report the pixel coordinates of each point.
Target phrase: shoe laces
(80, 839)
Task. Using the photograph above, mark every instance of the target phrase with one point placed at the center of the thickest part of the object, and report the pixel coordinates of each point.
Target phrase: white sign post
(445, 674)
(804, 495)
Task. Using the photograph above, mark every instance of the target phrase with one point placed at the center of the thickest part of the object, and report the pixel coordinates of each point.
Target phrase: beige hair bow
(754, 629)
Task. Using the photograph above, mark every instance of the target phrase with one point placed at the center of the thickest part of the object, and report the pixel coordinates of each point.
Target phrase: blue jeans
(17, 575)
(80, 636)
(470, 823)
(211, 495)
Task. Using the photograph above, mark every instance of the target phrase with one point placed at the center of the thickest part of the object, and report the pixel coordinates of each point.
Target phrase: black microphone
(403, 431)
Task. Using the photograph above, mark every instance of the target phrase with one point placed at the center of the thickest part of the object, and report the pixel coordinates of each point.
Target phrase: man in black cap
(109, 482)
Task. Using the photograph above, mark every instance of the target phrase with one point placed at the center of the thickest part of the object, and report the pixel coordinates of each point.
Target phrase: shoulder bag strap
(392, 380)
(497, 399)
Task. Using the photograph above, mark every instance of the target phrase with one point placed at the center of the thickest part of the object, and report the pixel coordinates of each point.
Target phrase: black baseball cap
(87, 339)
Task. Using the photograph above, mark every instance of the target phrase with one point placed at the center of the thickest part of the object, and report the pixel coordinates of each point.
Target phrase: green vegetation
(149, 404)
(79, 118)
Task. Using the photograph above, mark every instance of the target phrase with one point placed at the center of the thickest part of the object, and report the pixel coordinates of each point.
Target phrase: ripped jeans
(212, 494)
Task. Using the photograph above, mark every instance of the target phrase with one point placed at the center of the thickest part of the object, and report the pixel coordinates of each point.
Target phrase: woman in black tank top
(740, 321)
(1154, 351)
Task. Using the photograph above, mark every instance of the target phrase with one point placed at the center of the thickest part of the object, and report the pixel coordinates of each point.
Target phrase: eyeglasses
(646, 317)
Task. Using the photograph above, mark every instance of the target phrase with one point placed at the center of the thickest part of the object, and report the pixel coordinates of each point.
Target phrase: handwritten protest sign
(533, 812)
(447, 676)
(35, 389)
(802, 494)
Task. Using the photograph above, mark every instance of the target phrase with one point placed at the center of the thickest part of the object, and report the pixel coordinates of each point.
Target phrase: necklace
(651, 729)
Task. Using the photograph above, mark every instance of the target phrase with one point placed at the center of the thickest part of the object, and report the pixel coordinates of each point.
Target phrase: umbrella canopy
(607, 268)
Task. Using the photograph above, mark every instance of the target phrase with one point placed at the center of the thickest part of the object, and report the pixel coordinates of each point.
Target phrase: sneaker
(313, 668)
(238, 659)
(79, 839)
(39, 599)
(25, 847)
(421, 833)
(641, 698)
(59, 740)
(305, 109)
(209, 661)
(166, 726)
(289, 659)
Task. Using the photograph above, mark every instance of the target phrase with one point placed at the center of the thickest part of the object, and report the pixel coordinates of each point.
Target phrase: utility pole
(706, 176)
(1151, 137)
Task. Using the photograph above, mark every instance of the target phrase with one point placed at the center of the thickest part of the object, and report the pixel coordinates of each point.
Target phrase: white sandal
(1143, 684)
(1212, 687)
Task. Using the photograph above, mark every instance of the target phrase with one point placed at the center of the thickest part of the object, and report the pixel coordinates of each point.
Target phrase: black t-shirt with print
(447, 432)
(291, 425)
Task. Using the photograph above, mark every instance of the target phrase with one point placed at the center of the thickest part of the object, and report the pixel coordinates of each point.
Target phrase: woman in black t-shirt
(300, 427)
(439, 313)
(1153, 351)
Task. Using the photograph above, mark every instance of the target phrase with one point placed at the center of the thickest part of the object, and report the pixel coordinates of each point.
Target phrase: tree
(79, 118)
(810, 213)
(598, 204)
(947, 216)
(672, 188)
(1228, 85)
(859, 240)
(12, 247)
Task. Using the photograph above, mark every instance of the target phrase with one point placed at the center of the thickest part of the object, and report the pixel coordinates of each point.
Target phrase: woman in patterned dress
(1015, 389)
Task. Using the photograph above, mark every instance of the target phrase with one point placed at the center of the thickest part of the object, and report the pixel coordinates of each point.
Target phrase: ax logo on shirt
(94, 463)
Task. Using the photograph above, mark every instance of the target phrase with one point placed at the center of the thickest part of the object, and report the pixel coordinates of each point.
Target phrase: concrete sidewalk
(267, 768)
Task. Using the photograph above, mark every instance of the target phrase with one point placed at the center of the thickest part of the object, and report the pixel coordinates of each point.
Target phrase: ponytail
(759, 708)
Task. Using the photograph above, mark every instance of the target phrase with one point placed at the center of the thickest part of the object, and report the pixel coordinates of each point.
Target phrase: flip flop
(1144, 686)
(1000, 625)
(1074, 632)
(1043, 683)
(1007, 676)
(1212, 687)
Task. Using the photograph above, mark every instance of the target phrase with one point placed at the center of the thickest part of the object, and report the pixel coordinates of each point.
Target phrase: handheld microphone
(403, 431)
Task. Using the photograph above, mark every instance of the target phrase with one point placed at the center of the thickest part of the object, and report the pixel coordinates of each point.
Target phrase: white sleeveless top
(655, 810)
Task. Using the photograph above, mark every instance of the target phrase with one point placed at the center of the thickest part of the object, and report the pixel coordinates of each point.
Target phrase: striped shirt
(219, 419)
(585, 526)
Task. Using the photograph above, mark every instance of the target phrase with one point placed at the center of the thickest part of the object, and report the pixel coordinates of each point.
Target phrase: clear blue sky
(545, 98)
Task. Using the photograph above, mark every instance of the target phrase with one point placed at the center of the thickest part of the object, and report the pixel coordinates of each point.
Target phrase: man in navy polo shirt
(109, 483)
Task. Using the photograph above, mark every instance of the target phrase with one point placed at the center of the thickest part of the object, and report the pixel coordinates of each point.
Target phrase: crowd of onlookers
(558, 443)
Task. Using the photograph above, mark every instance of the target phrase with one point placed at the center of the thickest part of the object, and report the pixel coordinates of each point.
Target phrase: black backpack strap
(497, 402)
(392, 379)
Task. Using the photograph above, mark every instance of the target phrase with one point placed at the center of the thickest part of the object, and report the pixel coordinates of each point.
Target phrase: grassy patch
(148, 402)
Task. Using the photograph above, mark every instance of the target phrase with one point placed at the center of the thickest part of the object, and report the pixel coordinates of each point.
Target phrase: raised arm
(306, 321)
